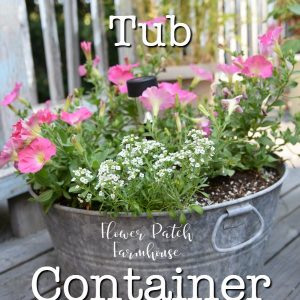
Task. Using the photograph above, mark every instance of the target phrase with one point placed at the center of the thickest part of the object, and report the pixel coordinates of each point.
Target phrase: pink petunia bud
(87, 49)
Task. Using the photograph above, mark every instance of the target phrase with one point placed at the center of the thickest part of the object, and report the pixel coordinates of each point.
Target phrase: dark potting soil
(242, 183)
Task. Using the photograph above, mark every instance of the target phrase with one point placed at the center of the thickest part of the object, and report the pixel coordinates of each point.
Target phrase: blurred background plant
(288, 12)
(85, 33)
(202, 16)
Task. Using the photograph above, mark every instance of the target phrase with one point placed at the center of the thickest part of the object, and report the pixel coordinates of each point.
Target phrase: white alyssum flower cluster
(137, 156)
(83, 176)
(143, 160)
(196, 151)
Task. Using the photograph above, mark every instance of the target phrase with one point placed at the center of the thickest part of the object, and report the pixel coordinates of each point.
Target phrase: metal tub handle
(233, 212)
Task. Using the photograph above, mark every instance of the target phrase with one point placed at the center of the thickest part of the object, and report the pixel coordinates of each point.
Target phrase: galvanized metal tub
(228, 239)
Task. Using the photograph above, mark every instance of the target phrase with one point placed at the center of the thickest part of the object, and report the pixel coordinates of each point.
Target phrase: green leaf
(197, 209)
(267, 123)
(73, 189)
(294, 8)
(45, 196)
(95, 164)
(271, 159)
(136, 207)
(293, 84)
(278, 103)
(172, 214)
(264, 140)
(48, 205)
(293, 140)
(66, 195)
(205, 194)
(182, 218)
(227, 172)
(149, 214)
(293, 45)
(102, 156)
(42, 177)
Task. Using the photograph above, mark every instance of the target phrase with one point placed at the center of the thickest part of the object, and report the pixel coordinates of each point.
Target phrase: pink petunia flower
(230, 69)
(8, 153)
(32, 158)
(257, 66)
(232, 105)
(119, 74)
(174, 89)
(96, 61)
(205, 125)
(42, 116)
(157, 20)
(156, 99)
(269, 39)
(46, 116)
(82, 70)
(12, 96)
(202, 73)
(77, 116)
(87, 49)
(22, 134)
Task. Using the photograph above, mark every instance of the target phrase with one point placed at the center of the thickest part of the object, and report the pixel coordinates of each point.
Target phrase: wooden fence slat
(230, 24)
(72, 43)
(16, 63)
(100, 41)
(52, 50)
(125, 8)
(244, 27)
(254, 25)
(238, 24)
(221, 37)
(262, 14)
(249, 27)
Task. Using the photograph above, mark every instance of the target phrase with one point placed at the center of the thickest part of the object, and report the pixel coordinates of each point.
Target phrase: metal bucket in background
(228, 239)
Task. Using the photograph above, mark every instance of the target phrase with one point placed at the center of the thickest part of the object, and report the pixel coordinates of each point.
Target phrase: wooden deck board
(20, 258)
(284, 271)
(284, 232)
(288, 203)
(12, 255)
(294, 294)
(16, 283)
(292, 180)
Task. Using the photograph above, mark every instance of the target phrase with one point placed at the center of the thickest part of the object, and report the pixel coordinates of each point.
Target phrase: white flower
(88, 197)
(84, 180)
